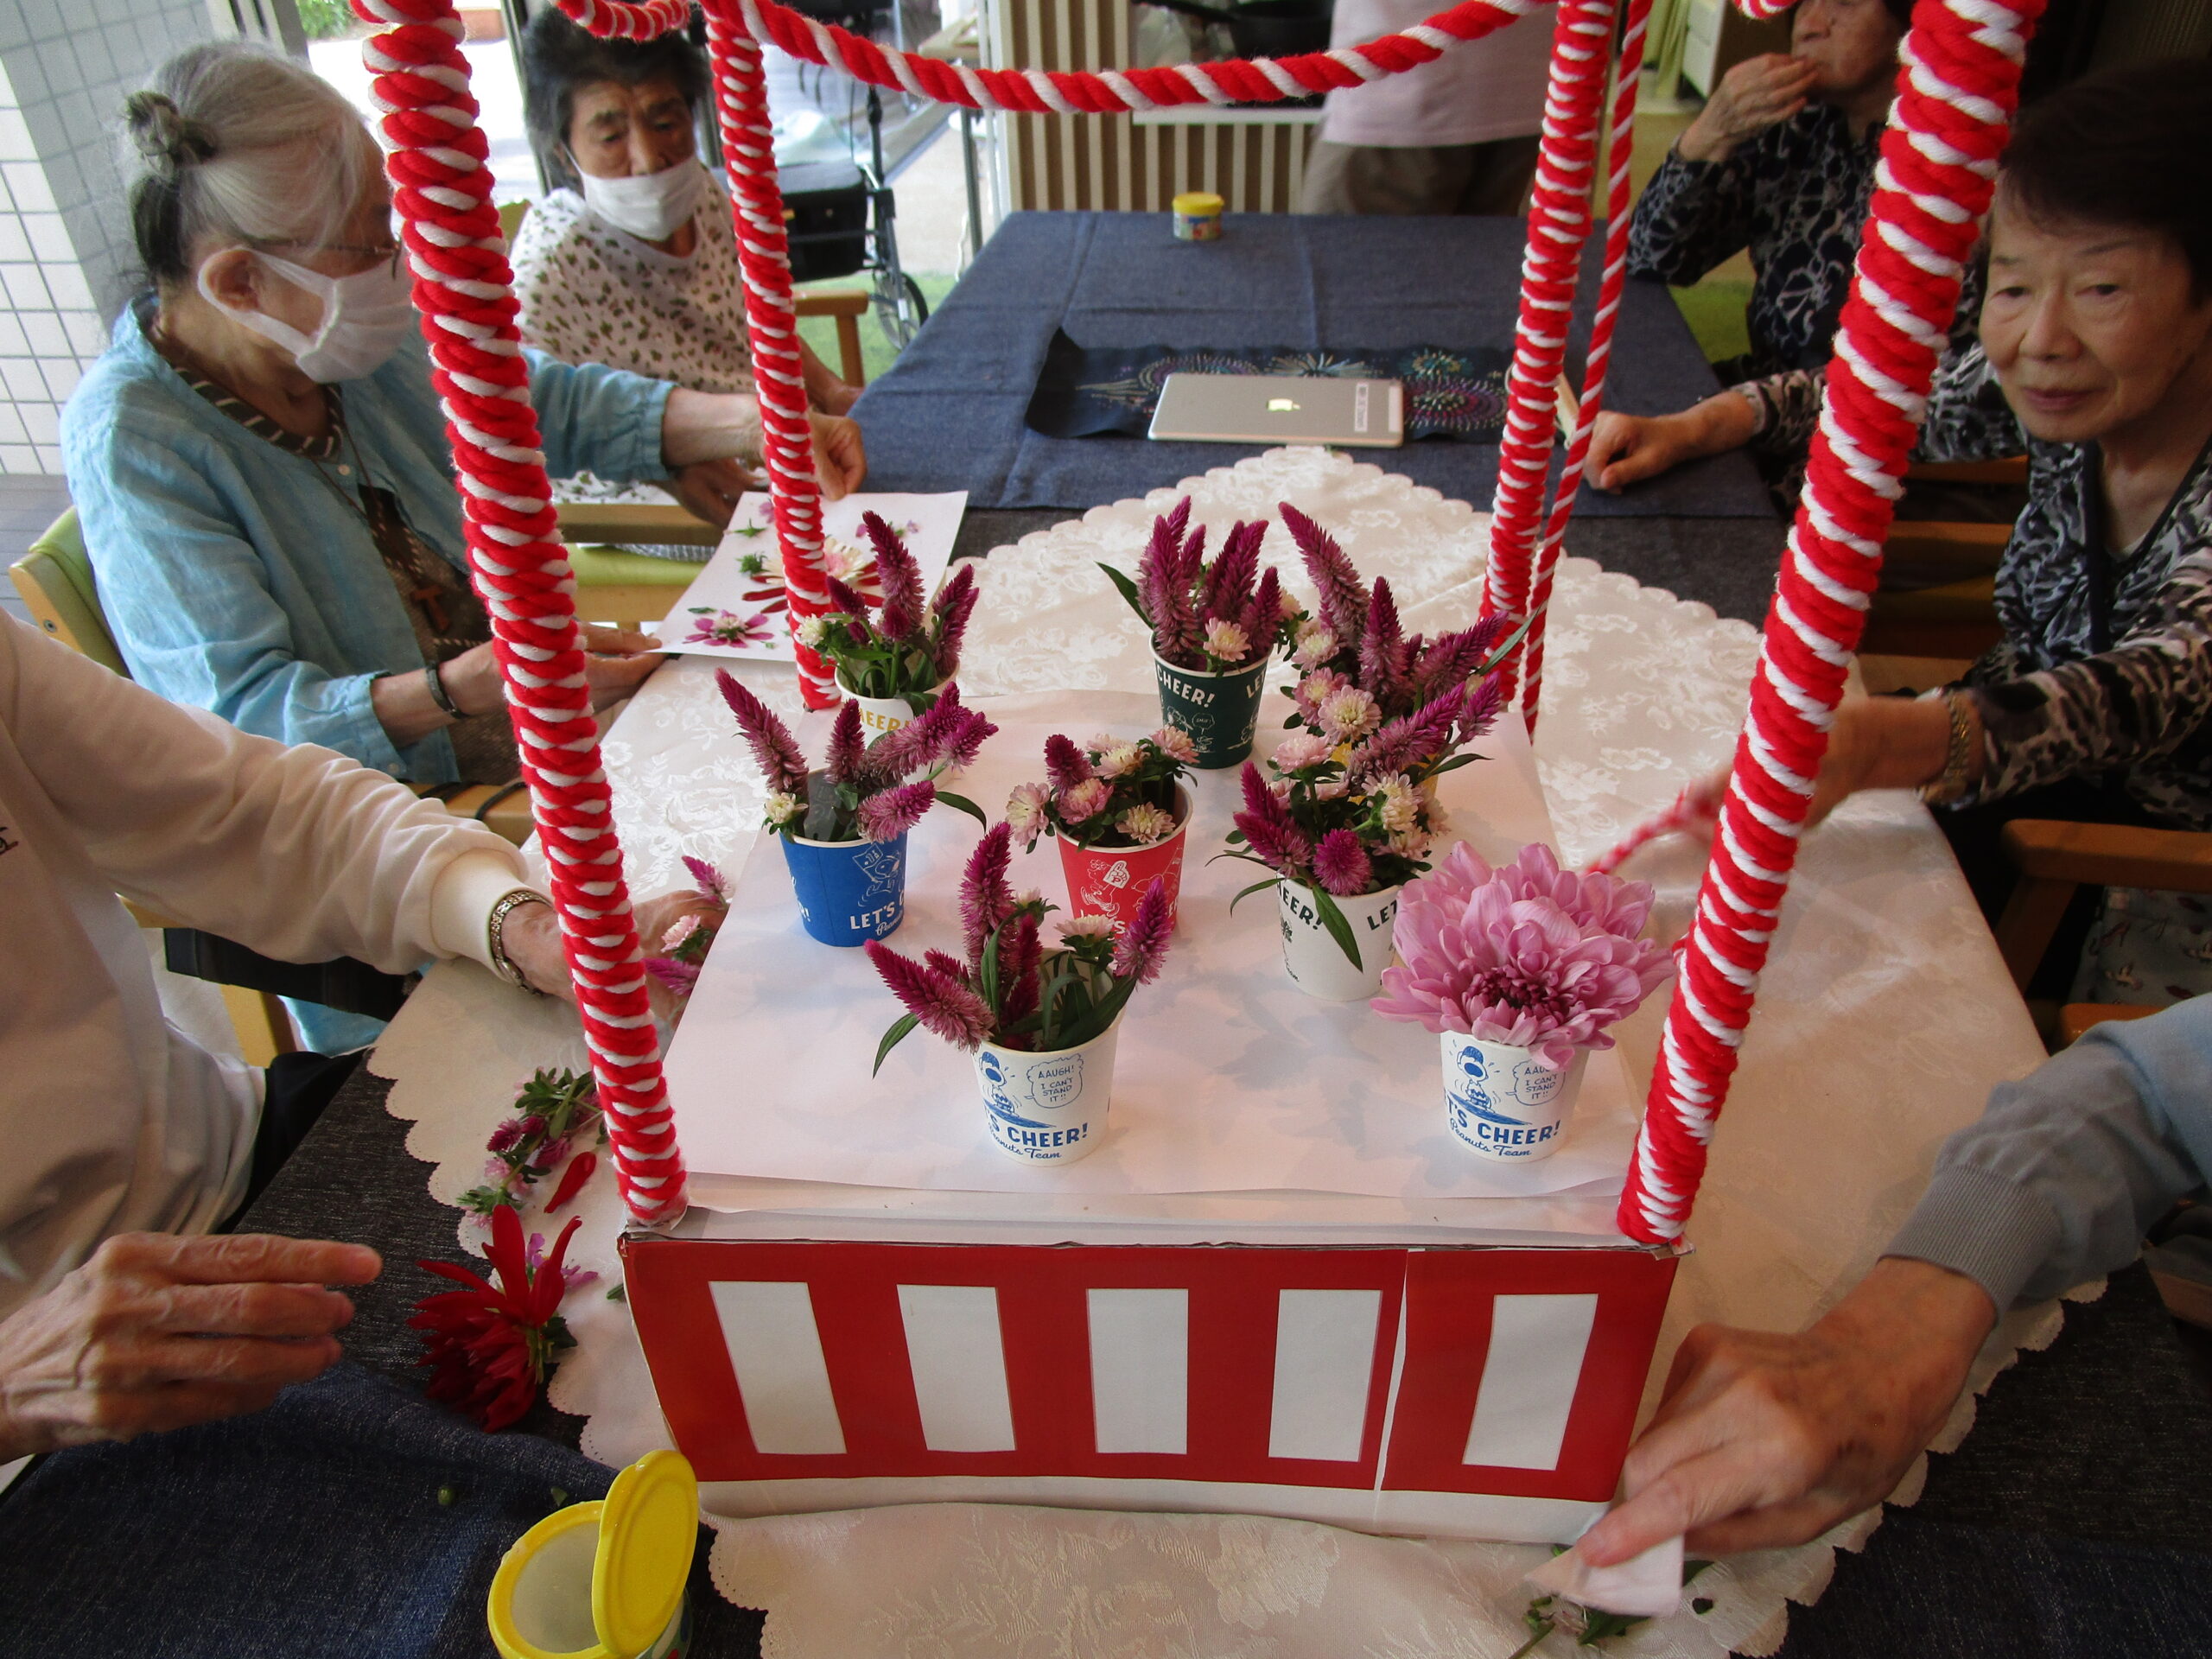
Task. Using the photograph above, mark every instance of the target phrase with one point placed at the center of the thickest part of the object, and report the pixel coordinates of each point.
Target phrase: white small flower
(781, 808)
(1145, 824)
(1400, 807)
(1349, 715)
(812, 630)
(1226, 642)
(1301, 749)
(1413, 843)
(1175, 745)
(1087, 927)
(1316, 645)
(1024, 811)
(1118, 762)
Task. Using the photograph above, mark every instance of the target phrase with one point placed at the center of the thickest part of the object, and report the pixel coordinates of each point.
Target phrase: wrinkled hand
(532, 938)
(1753, 96)
(1765, 1440)
(709, 489)
(617, 661)
(158, 1331)
(1627, 449)
(839, 460)
(1875, 743)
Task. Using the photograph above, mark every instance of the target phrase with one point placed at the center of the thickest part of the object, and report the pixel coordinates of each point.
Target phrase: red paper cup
(1111, 880)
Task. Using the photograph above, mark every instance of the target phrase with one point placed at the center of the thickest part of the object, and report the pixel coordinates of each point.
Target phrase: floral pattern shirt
(2057, 701)
(1796, 195)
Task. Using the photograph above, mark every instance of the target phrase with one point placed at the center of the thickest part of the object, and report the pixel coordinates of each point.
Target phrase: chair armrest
(837, 302)
(1972, 547)
(2110, 854)
(2076, 1017)
(605, 522)
(2013, 469)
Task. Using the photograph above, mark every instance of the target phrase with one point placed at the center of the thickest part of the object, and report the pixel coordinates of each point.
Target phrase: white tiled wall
(66, 67)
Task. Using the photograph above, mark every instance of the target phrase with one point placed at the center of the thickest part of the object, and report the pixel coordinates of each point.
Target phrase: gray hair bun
(167, 141)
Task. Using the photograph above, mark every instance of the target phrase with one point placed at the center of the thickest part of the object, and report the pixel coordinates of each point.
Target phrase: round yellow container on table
(604, 1580)
(1198, 216)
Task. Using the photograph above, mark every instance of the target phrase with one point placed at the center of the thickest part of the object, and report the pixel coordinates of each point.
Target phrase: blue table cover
(949, 414)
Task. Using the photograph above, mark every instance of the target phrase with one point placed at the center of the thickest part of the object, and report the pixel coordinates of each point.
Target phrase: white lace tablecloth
(1885, 1018)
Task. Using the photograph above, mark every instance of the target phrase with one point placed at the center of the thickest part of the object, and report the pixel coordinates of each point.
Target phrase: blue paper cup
(849, 892)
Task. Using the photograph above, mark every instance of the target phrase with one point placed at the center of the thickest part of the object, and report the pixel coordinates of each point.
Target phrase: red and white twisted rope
(1559, 226)
(442, 190)
(1938, 162)
(1620, 147)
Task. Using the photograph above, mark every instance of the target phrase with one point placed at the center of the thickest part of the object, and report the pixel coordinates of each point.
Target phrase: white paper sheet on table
(723, 589)
(1229, 1078)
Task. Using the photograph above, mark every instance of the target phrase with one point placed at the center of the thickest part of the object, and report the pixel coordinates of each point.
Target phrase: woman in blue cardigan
(260, 462)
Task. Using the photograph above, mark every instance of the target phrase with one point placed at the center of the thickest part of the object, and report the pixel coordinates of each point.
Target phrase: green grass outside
(877, 352)
(1714, 312)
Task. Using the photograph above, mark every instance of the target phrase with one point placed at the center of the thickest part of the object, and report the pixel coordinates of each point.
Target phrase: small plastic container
(1198, 216)
(604, 1580)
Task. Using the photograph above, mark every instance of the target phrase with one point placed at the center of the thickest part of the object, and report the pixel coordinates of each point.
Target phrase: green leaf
(1257, 887)
(1128, 589)
(899, 1027)
(961, 803)
(1244, 858)
(1454, 764)
(1505, 646)
(1339, 928)
(987, 971)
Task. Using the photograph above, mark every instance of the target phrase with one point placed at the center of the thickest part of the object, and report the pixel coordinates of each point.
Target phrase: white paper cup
(1502, 1102)
(879, 716)
(1048, 1108)
(1317, 964)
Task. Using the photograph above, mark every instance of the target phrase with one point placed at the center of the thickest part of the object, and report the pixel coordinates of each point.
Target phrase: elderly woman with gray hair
(259, 458)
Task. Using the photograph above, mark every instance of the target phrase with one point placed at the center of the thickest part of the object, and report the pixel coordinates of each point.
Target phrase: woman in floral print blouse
(1781, 163)
(2096, 341)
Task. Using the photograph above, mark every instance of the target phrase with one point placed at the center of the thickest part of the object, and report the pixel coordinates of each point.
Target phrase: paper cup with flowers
(894, 656)
(1118, 808)
(1042, 1021)
(1346, 809)
(843, 824)
(1520, 971)
(1213, 628)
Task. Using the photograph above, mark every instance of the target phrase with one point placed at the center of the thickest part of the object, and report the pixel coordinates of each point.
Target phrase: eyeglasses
(375, 252)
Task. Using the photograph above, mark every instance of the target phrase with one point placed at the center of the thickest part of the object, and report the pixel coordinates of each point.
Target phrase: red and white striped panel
(1043, 1374)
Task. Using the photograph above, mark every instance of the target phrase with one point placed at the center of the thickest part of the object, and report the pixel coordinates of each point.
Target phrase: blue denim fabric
(312, 1530)
(235, 578)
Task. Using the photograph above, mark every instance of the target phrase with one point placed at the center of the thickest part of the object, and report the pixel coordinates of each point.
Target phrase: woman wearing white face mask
(632, 260)
(259, 460)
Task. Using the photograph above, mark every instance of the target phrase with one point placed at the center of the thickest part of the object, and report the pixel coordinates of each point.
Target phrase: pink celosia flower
(1143, 945)
(890, 813)
(985, 899)
(945, 1006)
(783, 768)
(711, 880)
(956, 603)
(1066, 765)
(1497, 955)
(678, 977)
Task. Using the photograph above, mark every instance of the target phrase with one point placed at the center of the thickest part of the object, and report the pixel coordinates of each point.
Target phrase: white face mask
(651, 208)
(365, 318)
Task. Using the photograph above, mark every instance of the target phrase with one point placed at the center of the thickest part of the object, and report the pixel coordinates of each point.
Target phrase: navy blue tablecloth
(949, 414)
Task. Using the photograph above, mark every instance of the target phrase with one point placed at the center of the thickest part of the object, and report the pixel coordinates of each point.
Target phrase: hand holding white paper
(1648, 1585)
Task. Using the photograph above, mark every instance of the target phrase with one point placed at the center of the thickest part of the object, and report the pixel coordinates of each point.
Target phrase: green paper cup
(1216, 712)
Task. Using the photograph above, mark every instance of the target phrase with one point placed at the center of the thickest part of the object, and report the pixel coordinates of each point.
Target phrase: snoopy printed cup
(1217, 712)
(849, 892)
(1111, 881)
(881, 717)
(1047, 1107)
(1502, 1102)
(1317, 964)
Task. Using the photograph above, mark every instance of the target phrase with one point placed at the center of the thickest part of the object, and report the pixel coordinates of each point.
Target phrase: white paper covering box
(1474, 1392)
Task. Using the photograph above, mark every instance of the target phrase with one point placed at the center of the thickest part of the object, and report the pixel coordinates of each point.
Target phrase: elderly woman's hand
(1627, 449)
(1766, 1439)
(532, 939)
(617, 661)
(1876, 743)
(158, 1331)
(709, 489)
(839, 460)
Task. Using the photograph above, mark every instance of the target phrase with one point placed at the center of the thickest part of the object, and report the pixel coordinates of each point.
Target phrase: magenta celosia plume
(1527, 954)
(890, 813)
(955, 604)
(899, 576)
(1141, 947)
(945, 1006)
(783, 768)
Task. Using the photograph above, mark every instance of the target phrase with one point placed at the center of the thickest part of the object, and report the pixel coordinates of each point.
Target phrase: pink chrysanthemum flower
(1175, 744)
(1144, 823)
(1025, 812)
(1085, 800)
(1497, 955)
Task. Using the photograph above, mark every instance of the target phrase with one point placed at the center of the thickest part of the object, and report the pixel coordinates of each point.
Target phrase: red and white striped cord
(1620, 148)
(1938, 163)
(1559, 226)
(442, 190)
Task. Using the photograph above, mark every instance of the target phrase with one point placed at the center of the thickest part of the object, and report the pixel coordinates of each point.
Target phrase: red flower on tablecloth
(490, 1345)
(714, 627)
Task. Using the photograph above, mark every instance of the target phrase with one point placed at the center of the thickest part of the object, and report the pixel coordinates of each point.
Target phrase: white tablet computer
(1282, 408)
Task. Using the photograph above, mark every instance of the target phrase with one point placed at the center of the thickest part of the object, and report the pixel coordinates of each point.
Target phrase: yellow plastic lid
(648, 1531)
(1196, 203)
